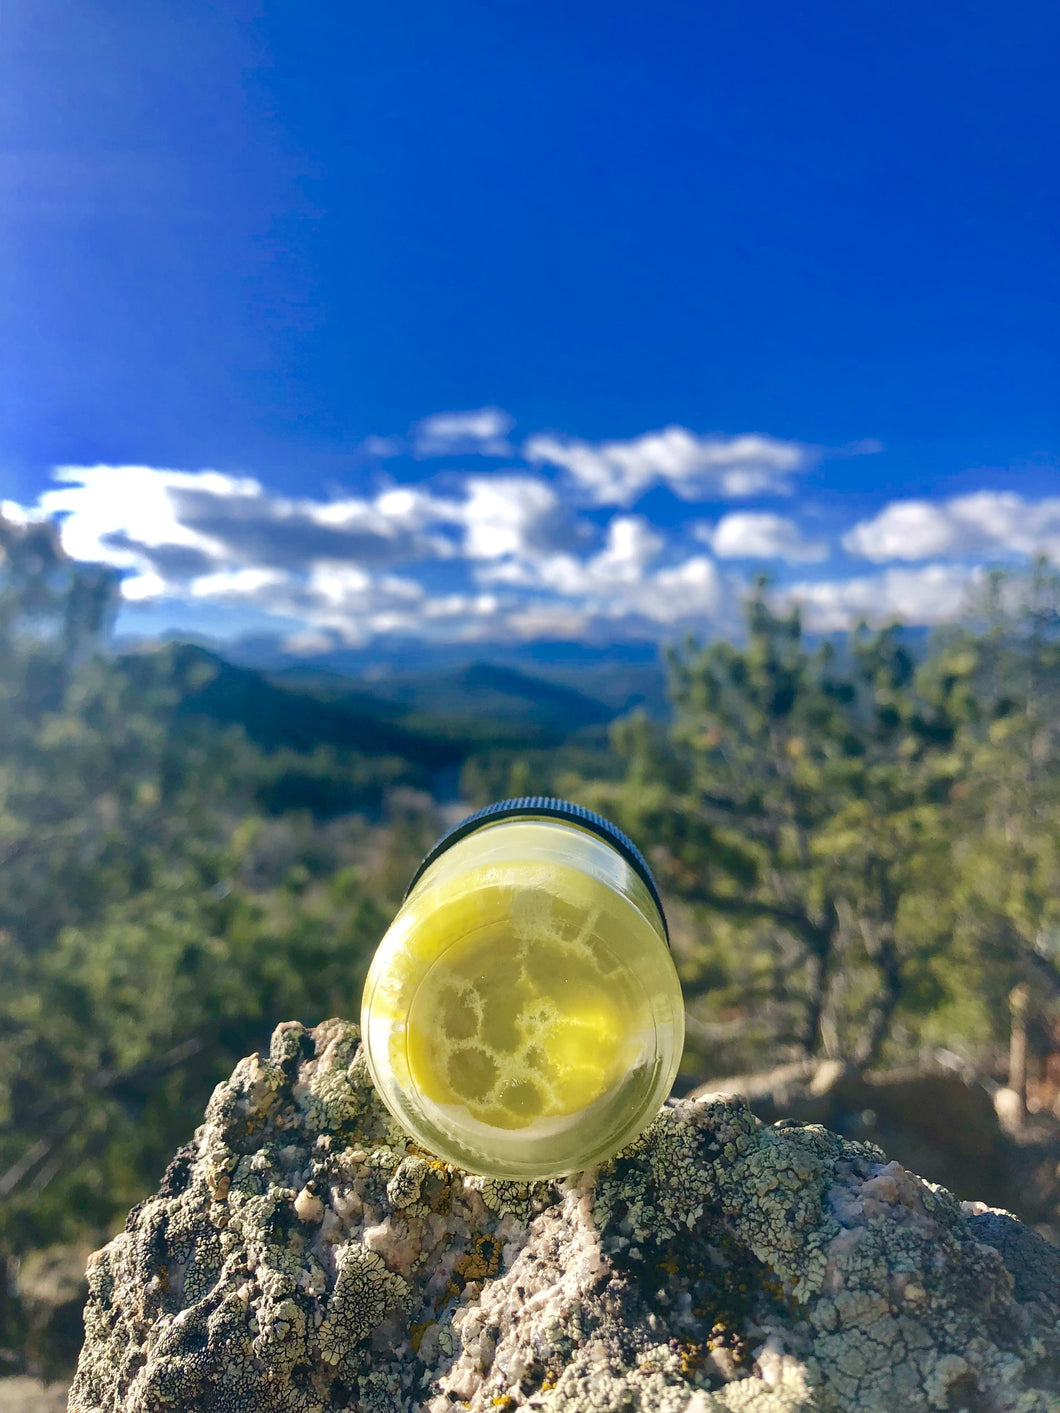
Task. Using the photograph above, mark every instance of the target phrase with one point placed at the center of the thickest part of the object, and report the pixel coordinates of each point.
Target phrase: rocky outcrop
(940, 1120)
(301, 1256)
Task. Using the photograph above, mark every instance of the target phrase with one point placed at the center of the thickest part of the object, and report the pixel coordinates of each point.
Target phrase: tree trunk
(1018, 1001)
(883, 953)
(821, 944)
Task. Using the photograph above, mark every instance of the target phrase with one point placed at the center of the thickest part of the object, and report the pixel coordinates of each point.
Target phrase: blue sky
(481, 320)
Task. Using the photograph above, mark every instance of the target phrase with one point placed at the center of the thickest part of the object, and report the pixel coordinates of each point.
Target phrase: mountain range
(433, 717)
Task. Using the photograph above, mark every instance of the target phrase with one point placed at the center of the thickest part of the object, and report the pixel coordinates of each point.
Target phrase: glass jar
(522, 1017)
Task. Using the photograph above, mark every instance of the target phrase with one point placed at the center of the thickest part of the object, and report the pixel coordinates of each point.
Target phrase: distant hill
(621, 687)
(390, 655)
(432, 703)
(433, 719)
(471, 680)
(274, 717)
(487, 691)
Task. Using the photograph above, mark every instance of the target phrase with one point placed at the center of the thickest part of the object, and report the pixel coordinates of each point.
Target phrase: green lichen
(405, 1187)
(302, 1257)
(364, 1292)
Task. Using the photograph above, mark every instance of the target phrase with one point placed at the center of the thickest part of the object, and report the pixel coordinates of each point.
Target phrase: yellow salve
(522, 1017)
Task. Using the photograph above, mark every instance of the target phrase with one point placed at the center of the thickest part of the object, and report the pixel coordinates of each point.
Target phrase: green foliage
(1003, 664)
(867, 843)
(498, 774)
(168, 891)
(859, 847)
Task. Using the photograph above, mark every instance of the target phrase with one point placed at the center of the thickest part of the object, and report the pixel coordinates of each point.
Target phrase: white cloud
(457, 605)
(170, 528)
(118, 515)
(932, 594)
(483, 432)
(14, 513)
(505, 515)
(323, 568)
(308, 643)
(984, 523)
(746, 534)
(619, 582)
(185, 524)
(348, 586)
(237, 584)
(142, 588)
(327, 567)
(549, 620)
(210, 537)
(334, 603)
(690, 591)
(411, 507)
(630, 546)
(694, 467)
(505, 553)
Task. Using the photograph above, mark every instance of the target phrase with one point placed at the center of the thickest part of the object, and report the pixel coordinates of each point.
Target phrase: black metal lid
(544, 806)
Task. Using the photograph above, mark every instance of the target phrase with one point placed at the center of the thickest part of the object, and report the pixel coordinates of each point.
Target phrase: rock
(1008, 1105)
(717, 1265)
(941, 1123)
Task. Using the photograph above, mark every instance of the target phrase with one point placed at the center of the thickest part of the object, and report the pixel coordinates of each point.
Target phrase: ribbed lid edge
(544, 806)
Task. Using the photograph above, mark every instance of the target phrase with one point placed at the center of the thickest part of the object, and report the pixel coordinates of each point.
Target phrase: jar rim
(546, 807)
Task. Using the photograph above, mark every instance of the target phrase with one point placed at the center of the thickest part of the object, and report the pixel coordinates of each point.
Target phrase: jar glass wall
(522, 1017)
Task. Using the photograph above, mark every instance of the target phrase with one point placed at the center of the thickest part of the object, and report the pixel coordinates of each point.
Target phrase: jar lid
(542, 806)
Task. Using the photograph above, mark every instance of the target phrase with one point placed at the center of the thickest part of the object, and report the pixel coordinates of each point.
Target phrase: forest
(857, 839)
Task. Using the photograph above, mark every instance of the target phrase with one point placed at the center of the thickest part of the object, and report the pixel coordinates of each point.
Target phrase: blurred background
(411, 406)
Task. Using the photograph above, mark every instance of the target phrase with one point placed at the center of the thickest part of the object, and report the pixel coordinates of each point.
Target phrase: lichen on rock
(301, 1256)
